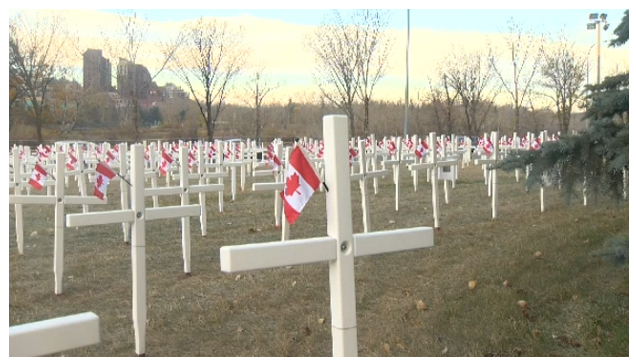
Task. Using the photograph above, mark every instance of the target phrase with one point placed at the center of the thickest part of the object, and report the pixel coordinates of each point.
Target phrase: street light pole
(596, 22)
(406, 97)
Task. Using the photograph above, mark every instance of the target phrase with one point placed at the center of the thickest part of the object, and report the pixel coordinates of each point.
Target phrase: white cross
(433, 166)
(362, 177)
(339, 247)
(137, 216)
(54, 335)
(59, 200)
(492, 174)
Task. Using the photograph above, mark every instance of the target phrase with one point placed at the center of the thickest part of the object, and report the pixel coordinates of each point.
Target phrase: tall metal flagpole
(406, 98)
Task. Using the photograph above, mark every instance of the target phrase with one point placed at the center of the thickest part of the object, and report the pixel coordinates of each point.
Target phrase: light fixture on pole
(595, 23)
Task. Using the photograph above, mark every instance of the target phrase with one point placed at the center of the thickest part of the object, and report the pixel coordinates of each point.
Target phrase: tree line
(351, 53)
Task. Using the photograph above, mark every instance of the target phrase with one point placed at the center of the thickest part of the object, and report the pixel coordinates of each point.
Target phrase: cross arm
(100, 218)
(268, 186)
(392, 241)
(54, 335)
(31, 200)
(171, 212)
(246, 257)
(206, 188)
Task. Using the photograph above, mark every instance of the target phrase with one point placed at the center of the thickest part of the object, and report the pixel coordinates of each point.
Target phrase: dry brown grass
(578, 303)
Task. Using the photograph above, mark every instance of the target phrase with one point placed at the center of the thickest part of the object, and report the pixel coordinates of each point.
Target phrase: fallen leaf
(391, 222)
(400, 346)
(526, 314)
(538, 255)
(239, 329)
(472, 284)
(387, 348)
(564, 340)
(575, 297)
(445, 351)
(34, 234)
(321, 320)
(507, 284)
(421, 305)
(294, 284)
(522, 303)
(237, 277)
(518, 351)
(536, 333)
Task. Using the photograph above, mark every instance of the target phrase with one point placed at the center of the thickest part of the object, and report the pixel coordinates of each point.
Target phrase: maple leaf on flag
(292, 185)
(99, 181)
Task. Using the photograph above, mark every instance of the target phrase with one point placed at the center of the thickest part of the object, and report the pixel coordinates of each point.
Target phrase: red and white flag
(488, 147)
(110, 157)
(536, 144)
(192, 159)
(103, 175)
(166, 162)
(352, 155)
(300, 184)
(391, 147)
(71, 161)
(38, 177)
(422, 149)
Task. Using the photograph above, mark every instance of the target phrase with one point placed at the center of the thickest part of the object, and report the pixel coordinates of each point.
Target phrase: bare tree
(471, 75)
(38, 54)
(563, 73)
(442, 97)
(374, 47)
(212, 57)
(129, 45)
(334, 44)
(525, 58)
(256, 90)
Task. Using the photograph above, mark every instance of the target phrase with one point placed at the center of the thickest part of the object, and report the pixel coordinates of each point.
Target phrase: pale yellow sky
(278, 48)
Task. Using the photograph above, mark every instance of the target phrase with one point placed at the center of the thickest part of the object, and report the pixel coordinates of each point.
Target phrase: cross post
(339, 247)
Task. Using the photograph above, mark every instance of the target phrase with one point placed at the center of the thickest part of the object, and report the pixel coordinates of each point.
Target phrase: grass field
(409, 304)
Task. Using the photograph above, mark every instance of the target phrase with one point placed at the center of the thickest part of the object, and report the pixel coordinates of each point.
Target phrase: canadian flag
(408, 143)
(38, 177)
(71, 161)
(352, 155)
(43, 152)
(488, 146)
(103, 175)
(422, 149)
(110, 157)
(271, 156)
(536, 144)
(391, 147)
(166, 162)
(192, 159)
(300, 184)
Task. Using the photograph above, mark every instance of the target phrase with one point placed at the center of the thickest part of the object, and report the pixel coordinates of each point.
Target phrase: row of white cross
(339, 247)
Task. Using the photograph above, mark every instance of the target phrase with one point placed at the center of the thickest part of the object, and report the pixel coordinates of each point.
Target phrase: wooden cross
(137, 215)
(362, 177)
(433, 166)
(54, 335)
(492, 174)
(339, 247)
(59, 200)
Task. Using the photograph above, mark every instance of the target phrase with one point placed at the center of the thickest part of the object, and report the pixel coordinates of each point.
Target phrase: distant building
(97, 71)
(133, 77)
(171, 91)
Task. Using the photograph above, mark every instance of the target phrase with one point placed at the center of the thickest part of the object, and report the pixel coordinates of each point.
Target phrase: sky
(275, 37)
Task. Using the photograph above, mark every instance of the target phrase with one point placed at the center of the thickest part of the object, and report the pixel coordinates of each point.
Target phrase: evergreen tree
(599, 156)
